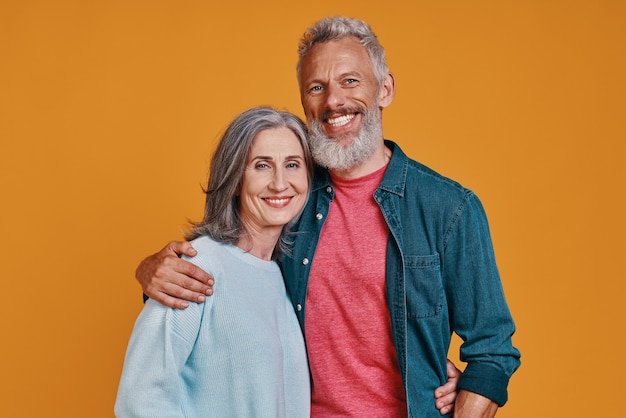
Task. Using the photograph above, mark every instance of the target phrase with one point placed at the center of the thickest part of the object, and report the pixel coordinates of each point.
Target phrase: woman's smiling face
(275, 183)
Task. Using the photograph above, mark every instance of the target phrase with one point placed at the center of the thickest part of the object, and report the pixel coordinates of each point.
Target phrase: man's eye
(316, 88)
(351, 81)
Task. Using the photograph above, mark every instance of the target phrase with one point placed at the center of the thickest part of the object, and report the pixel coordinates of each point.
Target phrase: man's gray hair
(338, 27)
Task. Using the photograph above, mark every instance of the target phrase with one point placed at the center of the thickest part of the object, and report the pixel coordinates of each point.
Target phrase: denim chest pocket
(424, 287)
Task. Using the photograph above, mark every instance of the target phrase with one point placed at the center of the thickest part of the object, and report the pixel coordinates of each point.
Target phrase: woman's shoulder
(207, 243)
(211, 254)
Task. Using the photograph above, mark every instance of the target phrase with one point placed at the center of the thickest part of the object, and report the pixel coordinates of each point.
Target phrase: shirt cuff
(485, 380)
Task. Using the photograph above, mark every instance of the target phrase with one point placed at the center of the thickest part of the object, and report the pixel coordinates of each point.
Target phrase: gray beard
(333, 155)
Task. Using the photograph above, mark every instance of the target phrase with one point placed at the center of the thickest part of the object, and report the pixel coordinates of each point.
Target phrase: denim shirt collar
(394, 180)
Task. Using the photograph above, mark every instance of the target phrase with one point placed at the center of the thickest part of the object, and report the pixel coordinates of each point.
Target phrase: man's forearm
(472, 405)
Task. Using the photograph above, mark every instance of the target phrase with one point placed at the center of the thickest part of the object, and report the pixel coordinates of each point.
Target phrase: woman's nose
(278, 180)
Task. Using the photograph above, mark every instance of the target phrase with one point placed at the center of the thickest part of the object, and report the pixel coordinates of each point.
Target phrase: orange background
(109, 111)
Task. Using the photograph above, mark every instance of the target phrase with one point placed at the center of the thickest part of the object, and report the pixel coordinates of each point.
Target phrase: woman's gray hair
(338, 27)
(222, 220)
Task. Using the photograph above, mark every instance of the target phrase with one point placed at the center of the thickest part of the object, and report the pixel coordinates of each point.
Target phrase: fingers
(182, 287)
(453, 372)
(445, 403)
(169, 301)
(446, 389)
(167, 260)
(446, 410)
(175, 291)
(453, 380)
(193, 277)
(180, 279)
(181, 248)
(446, 394)
(171, 280)
(445, 397)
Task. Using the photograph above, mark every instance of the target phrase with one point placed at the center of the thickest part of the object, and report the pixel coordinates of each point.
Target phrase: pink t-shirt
(348, 329)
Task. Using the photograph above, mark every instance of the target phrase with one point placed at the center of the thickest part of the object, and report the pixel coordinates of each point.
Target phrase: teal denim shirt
(441, 278)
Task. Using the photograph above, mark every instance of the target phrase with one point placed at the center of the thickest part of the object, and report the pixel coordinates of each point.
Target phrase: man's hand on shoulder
(172, 281)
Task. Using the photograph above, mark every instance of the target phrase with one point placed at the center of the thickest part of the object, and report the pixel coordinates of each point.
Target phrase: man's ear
(387, 91)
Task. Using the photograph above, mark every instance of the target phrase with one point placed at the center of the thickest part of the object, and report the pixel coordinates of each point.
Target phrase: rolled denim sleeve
(478, 310)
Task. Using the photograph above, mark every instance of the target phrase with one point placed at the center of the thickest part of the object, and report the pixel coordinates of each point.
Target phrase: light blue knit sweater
(239, 354)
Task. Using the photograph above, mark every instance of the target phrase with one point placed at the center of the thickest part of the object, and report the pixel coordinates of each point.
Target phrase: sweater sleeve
(159, 346)
(479, 313)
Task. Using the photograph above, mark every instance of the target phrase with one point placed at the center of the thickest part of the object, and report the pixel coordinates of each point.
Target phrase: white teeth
(277, 201)
(341, 120)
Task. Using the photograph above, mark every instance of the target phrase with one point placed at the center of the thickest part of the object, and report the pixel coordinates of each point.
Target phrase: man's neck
(379, 159)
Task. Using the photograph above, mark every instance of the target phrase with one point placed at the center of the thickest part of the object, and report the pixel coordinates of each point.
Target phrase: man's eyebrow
(350, 74)
(353, 73)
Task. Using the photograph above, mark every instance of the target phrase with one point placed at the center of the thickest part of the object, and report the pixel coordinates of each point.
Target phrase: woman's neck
(260, 245)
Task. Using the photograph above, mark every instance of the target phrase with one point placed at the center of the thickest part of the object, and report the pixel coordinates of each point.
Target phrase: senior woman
(240, 353)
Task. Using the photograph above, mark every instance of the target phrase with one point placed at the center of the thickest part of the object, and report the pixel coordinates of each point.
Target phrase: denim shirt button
(329, 189)
(298, 307)
(319, 216)
(305, 261)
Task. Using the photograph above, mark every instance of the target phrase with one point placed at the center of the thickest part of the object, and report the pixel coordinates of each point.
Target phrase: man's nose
(335, 97)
